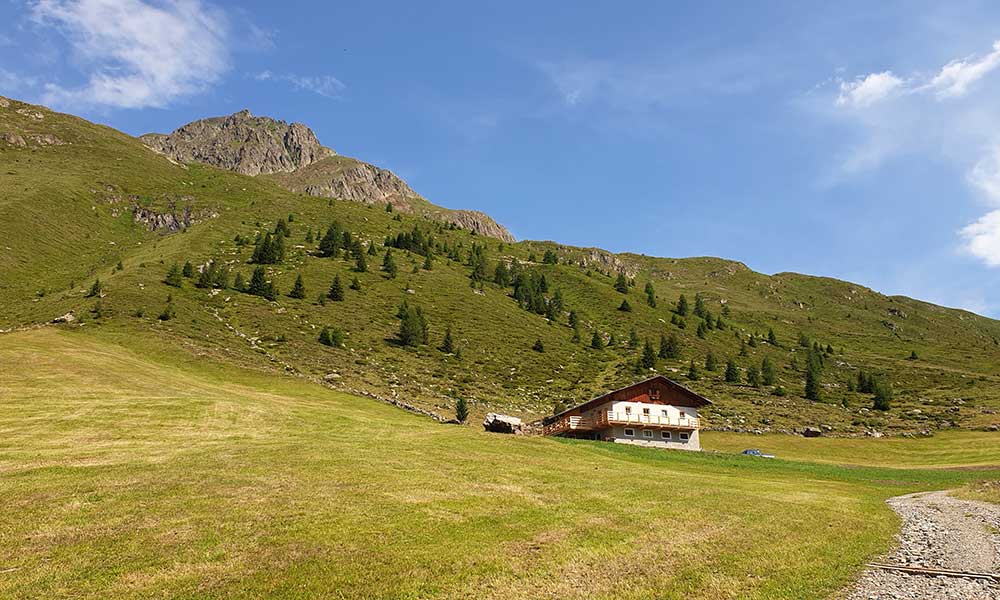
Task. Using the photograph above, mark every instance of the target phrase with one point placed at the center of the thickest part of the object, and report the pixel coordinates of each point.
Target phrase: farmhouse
(656, 412)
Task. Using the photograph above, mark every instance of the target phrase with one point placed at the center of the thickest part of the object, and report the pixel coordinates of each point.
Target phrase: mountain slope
(252, 145)
(77, 200)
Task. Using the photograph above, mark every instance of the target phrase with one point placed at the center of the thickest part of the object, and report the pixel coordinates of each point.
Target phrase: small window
(629, 432)
(665, 435)
(647, 434)
(683, 414)
(684, 437)
(664, 413)
(645, 411)
(628, 410)
(654, 393)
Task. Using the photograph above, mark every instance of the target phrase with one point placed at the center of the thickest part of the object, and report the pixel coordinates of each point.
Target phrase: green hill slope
(77, 200)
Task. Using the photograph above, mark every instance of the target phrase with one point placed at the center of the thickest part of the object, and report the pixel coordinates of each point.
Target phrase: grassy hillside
(69, 191)
(132, 469)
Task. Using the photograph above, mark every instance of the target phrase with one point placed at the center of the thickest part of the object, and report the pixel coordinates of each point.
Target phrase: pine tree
(710, 362)
(168, 310)
(309, 236)
(883, 395)
(650, 294)
(188, 270)
(625, 306)
(771, 338)
(709, 320)
(330, 244)
(814, 372)
(299, 289)
(447, 345)
(699, 305)
(174, 277)
(693, 374)
(648, 356)
(428, 262)
(238, 284)
(461, 410)
(682, 306)
(743, 348)
(633, 338)
(576, 334)
(702, 331)
(324, 337)
(96, 289)
(913, 355)
(732, 372)
(413, 328)
(389, 264)
(538, 346)
(621, 284)
(336, 292)
(596, 342)
(360, 263)
(673, 348)
(355, 284)
(574, 320)
(258, 282)
(753, 376)
(767, 371)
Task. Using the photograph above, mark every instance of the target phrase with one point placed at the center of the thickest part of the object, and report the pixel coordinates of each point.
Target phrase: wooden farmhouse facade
(656, 412)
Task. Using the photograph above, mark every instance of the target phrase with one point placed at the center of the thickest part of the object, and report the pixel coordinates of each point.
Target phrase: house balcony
(604, 420)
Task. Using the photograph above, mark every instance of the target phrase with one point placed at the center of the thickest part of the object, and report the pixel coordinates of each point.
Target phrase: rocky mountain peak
(243, 143)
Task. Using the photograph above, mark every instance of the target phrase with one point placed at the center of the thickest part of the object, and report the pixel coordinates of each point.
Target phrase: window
(628, 410)
(647, 434)
(665, 413)
(654, 394)
(683, 414)
(665, 435)
(645, 411)
(629, 432)
(684, 437)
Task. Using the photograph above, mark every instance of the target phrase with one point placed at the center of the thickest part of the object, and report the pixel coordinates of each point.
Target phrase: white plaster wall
(618, 434)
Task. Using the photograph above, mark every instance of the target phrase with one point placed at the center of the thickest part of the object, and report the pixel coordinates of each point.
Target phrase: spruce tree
(389, 264)
(813, 374)
(324, 337)
(174, 277)
(767, 371)
(574, 320)
(648, 356)
(538, 346)
(461, 410)
(447, 345)
(883, 395)
(693, 374)
(596, 342)
(188, 270)
(299, 289)
(625, 306)
(650, 294)
(360, 264)
(682, 306)
(336, 292)
(428, 262)
(413, 328)
(309, 236)
(96, 289)
(355, 284)
(702, 331)
(771, 338)
(612, 342)
(330, 244)
(710, 362)
(633, 338)
(258, 282)
(699, 305)
(732, 372)
(239, 284)
(621, 284)
(753, 376)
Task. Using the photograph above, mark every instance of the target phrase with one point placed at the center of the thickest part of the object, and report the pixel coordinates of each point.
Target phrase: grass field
(131, 470)
(944, 449)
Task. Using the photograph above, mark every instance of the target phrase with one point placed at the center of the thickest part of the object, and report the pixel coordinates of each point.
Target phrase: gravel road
(940, 532)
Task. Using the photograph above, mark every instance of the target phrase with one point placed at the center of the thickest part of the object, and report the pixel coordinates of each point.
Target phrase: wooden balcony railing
(603, 420)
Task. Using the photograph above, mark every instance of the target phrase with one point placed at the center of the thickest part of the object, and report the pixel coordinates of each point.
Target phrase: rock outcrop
(295, 159)
(498, 423)
(243, 143)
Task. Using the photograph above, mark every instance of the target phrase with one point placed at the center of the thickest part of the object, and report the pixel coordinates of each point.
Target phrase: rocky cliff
(243, 143)
(295, 159)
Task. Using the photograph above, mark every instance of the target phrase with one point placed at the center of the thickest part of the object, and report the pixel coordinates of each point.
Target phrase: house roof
(695, 397)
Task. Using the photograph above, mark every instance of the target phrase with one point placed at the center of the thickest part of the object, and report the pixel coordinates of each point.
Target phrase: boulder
(66, 318)
(498, 423)
(812, 432)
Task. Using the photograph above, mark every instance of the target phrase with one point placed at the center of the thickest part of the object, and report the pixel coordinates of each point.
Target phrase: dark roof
(701, 400)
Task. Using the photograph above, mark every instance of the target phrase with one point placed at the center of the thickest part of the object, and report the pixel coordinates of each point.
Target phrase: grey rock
(498, 423)
(811, 432)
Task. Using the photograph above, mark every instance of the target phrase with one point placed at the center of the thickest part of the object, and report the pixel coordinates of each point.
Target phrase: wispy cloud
(324, 85)
(950, 114)
(135, 53)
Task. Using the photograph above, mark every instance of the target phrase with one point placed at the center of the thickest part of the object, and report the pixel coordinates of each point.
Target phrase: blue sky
(856, 140)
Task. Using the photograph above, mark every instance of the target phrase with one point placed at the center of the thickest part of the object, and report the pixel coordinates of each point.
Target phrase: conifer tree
(413, 328)
(767, 371)
(174, 277)
(682, 306)
(612, 342)
(710, 362)
(743, 348)
(447, 345)
(709, 320)
(732, 372)
(355, 284)
(461, 410)
(428, 262)
(883, 395)
(336, 292)
(648, 356)
(389, 264)
(814, 368)
(753, 376)
(574, 320)
(693, 373)
(238, 284)
(299, 289)
(360, 263)
(699, 305)
(771, 338)
(188, 270)
(538, 346)
(258, 282)
(309, 236)
(330, 244)
(596, 342)
(650, 294)
(324, 337)
(752, 340)
(96, 289)
(621, 284)
(625, 306)
(702, 331)
(633, 338)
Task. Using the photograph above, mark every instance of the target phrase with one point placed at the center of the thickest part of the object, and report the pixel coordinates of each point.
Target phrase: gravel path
(938, 532)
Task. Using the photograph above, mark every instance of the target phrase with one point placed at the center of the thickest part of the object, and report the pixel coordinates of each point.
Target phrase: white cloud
(137, 54)
(324, 85)
(865, 91)
(985, 175)
(982, 238)
(955, 77)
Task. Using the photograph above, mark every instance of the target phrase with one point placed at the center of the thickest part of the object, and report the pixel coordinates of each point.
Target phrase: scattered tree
(96, 289)
(447, 345)
(767, 371)
(621, 284)
(461, 410)
(650, 294)
(389, 264)
(336, 292)
(710, 363)
(771, 338)
(355, 284)
(538, 346)
(299, 289)
(682, 306)
(693, 374)
(732, 372)
(625, 306)
(648, 356)
(174, 277)
(883, 395)
(753, 376)
(596, 342)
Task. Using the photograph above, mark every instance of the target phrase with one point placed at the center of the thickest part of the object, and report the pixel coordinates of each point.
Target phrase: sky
(856, 140)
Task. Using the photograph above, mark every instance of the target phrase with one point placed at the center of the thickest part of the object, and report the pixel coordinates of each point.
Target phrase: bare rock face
(480, 222)
(243, 143)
